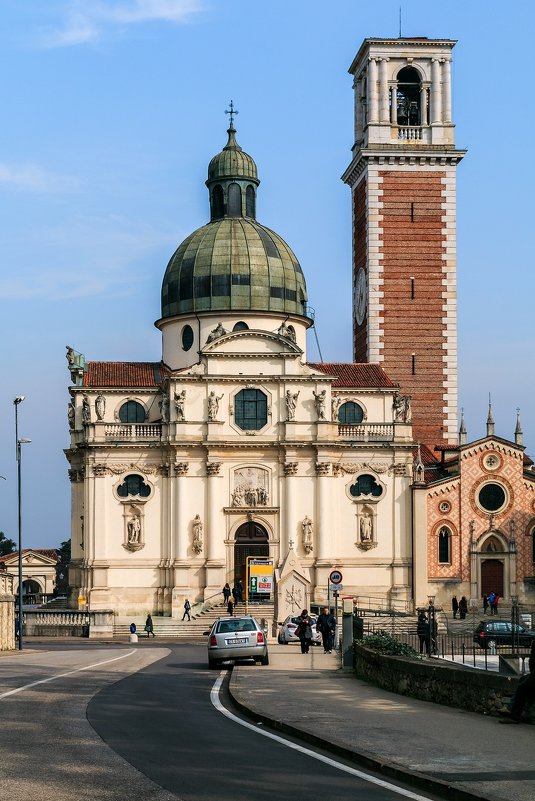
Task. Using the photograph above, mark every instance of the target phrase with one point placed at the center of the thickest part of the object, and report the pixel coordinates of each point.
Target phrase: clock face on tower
(360, 296)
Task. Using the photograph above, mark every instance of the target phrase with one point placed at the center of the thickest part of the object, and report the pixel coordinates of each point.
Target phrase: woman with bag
(304, 631)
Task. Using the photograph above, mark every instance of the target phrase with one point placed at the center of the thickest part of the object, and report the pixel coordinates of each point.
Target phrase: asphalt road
(161, 720)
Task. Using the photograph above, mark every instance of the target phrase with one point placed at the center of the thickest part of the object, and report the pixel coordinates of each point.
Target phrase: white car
(287, 631)
(237, 638)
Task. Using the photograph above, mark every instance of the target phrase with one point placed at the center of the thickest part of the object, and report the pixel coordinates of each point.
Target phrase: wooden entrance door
(492, 577)
(251, 540)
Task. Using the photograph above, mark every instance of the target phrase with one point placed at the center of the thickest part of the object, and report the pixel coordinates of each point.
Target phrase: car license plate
(237, 641)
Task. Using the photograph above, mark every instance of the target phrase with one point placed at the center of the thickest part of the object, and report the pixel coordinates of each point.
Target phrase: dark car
(491, 633)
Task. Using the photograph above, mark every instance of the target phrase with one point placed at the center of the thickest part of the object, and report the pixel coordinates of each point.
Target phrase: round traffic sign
(335, 577)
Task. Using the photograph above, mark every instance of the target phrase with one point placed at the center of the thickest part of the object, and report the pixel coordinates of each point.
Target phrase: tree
(64, 552)
(7, 546)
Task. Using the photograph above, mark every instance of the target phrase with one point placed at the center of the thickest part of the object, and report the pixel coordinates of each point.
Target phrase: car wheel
(265, 660)
(213, 665)
(491, 644)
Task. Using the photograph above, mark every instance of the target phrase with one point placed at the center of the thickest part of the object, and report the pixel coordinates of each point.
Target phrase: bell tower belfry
(403, 185)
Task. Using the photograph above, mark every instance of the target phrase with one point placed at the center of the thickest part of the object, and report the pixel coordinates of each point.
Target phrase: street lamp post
(515, 622)
(18, 442)
(432, 625)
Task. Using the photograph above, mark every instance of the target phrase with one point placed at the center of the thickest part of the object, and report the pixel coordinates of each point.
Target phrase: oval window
(187, 337)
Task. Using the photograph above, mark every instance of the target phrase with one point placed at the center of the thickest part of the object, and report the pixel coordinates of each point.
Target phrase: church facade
(233, 444)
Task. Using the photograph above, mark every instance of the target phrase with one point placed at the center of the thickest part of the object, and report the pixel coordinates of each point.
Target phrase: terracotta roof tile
(124, 374)
(355, 374)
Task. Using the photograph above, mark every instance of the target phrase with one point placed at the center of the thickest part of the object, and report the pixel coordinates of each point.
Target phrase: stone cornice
(400, 155)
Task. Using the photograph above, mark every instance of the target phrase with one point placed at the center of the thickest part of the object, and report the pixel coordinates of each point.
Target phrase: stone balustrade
(365, 432)
(409, 133)
(67, 623)
(132, 431)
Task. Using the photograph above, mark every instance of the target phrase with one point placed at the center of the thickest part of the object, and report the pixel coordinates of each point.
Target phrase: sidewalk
(473, 755)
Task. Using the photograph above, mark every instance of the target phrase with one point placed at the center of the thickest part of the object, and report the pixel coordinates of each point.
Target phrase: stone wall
(437, 681)
(7, 622)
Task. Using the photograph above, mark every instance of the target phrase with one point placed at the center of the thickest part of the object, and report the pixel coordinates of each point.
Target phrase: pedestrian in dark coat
(187, 609)
(422, 630)
(463, 608)
(326, 625)
(149, 626)
(485, 603)
(524, 693)
(226, 593)
(230, 607)
(239, 589)
(304, 631)
(454, 606)
(492, 596)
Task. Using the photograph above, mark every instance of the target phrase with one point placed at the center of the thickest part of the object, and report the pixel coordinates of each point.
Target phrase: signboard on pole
(335, 577)
(260, 575)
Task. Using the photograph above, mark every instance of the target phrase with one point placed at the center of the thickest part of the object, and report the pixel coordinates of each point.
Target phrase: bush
(384, 643)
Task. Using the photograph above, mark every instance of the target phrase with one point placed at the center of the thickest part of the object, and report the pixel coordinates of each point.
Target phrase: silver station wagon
(236, 638)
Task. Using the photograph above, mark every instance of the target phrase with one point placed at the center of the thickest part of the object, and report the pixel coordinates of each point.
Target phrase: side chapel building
(234, 444)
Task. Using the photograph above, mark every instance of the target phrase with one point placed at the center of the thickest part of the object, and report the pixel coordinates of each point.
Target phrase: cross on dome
(231, 112)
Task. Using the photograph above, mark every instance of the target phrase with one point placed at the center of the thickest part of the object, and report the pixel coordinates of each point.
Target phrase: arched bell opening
(408, 98)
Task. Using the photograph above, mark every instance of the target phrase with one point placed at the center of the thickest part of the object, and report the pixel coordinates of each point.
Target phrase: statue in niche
(164, 408)
(180, 402)
(402, 409)
(213, 405)
(86, 411)
(306, 525)
(366, 531)
(319, 402)
(134, 530)
(71, 415)
(217, 332)
(291, 404)
(197, 534)
(100, 406)
(238, 496)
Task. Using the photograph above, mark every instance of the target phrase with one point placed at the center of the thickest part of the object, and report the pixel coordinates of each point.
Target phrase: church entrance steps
(175, 628)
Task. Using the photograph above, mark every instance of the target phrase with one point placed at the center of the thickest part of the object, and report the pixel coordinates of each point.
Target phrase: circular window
(350, 412)
(187, 337)
(444, 506)
(132, 412)
(492, 462)
(241, 326)
(491, 497)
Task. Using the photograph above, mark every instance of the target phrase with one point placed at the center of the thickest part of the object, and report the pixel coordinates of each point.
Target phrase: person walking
(304, 631)
(492, 596)
(524, 693)
(463, 608)
(454, 606)
(326, 625)
(423, 631)
(495, 604)
(239, 590)
(485, 603)
(187, 609)
(149, 626)
(226, 593)
(230, 607)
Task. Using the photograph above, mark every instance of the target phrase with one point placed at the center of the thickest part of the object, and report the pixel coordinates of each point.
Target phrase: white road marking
(214, 697)
(62, 675)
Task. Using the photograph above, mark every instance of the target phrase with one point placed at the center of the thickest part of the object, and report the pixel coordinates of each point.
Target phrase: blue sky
(111, 112)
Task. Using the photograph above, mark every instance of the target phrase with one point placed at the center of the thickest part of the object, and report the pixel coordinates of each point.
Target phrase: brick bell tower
(402, 180)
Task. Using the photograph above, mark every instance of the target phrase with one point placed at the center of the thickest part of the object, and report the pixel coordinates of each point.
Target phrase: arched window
(250, 409)
(132, 412)
(444, 546)
(241, 326)
(234, 201)
(366, 485)
(250, 203)
(218, 205)
(350, 412)
(408, 97)
(133, 485)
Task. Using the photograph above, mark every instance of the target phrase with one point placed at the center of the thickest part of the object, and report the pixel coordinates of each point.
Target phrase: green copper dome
(233, 263)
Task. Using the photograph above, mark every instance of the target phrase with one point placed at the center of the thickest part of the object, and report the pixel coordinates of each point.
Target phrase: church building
(233, 444)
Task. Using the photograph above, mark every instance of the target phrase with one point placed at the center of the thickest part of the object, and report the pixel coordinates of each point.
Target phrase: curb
(362, 758)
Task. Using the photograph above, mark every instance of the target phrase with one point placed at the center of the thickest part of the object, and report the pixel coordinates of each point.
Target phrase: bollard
(133, 638)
